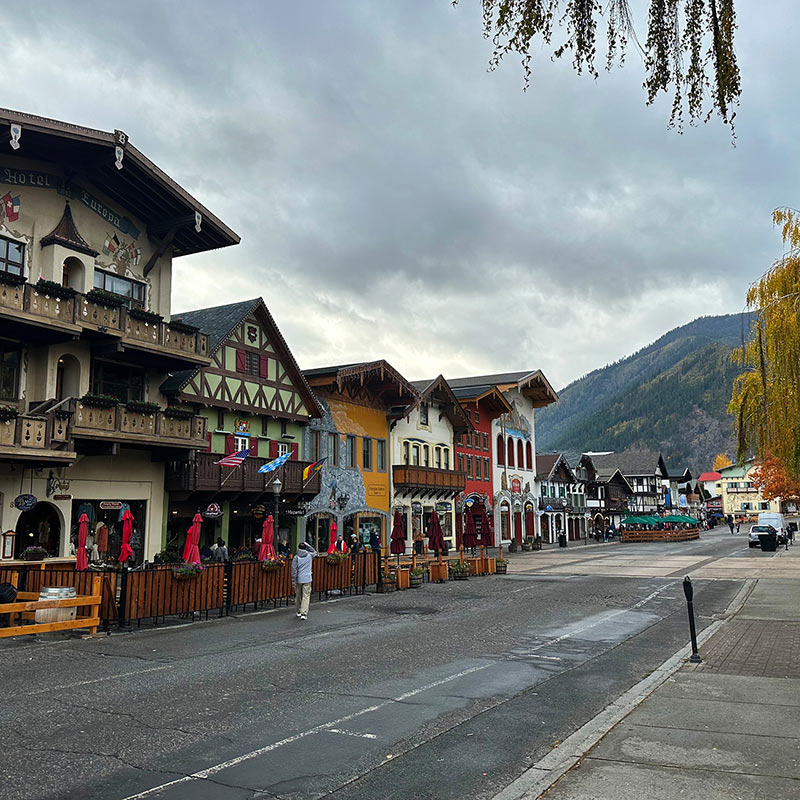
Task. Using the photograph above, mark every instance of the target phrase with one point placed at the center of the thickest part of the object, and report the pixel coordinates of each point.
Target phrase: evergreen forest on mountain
(671, 396)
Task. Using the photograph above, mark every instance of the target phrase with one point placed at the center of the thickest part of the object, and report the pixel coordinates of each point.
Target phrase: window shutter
(520, 459)
(263, 367)
(254, 446)
(501, 450)
(230, 443)
(208, 439)
(241, 361)
(528, 455)
(510, 452)
(293, 457)
(273, 449)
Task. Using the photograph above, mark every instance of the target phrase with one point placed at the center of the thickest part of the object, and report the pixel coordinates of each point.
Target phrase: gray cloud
(397, 200)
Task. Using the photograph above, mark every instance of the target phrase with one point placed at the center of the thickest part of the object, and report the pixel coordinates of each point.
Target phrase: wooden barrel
(56, 614)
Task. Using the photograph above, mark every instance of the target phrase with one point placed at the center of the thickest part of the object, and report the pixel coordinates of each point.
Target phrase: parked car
(754, 541)
(776, 520)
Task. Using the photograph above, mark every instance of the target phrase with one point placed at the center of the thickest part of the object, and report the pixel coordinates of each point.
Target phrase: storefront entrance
(105, 526)
(40, 527)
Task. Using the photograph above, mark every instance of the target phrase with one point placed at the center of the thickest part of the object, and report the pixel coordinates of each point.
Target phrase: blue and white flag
(276, 464)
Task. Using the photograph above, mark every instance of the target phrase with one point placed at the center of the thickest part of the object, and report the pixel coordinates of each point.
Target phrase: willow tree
(766, 396)
(688, 50)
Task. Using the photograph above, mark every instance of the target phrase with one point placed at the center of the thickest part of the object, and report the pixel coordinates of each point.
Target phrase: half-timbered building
(359, 402)
(255, 399)
(89, 228)
(607, 492)
(425, 477)
(562, 501)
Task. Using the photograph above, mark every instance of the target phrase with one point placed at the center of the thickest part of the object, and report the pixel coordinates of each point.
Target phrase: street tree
(688, 49)
(770, 477)
(766, 395)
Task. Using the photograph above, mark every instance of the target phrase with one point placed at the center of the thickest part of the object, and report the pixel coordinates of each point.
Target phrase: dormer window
(423, 414)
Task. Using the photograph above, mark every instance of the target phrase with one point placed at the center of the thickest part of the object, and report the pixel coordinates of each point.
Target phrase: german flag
(312, 468)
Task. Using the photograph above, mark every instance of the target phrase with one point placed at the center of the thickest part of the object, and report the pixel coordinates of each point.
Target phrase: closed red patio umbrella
(470, 538)
(397, 545)
(487, 534)
(191, 550)
(435, 535)
(81, 559)
(334, 529)
(125, 551)
(267, 536)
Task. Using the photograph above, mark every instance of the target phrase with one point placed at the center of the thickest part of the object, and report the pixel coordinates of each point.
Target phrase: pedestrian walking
(738, 526)
(301, 578)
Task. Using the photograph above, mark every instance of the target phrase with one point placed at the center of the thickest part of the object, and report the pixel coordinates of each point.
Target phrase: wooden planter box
(475, 566)
(438, 572)
(501, 569)
(386, 587)
(489, 565)
(403, 578)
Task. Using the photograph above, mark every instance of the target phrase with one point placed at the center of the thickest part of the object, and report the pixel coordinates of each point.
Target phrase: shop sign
(213, 511)
(62, 497)
(257, 511)
(293, 512)
(443, 506)
(416, 508)
(25, 502)
(111, 505)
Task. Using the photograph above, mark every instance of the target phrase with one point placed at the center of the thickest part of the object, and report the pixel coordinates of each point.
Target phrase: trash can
(562, 539)
(769, 542)
(56, 614)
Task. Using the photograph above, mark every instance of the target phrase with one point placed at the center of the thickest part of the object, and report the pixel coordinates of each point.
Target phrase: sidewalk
(724, 729)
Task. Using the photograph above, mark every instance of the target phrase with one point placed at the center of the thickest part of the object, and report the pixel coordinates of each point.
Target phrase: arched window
(501, 450)
(520, 459)
(510, 452)
(529, 455)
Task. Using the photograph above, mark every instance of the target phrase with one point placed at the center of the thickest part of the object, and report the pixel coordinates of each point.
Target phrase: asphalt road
(449, 691)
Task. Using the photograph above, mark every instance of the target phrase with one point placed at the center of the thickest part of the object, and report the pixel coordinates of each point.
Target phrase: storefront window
(505, 526)
(105, 527)
(369, 525)
(318, 532)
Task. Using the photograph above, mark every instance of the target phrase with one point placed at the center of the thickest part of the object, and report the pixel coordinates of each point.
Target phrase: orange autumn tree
(721, 461)
(770, 478)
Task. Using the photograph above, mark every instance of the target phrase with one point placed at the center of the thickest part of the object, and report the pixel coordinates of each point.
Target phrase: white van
(777, 521)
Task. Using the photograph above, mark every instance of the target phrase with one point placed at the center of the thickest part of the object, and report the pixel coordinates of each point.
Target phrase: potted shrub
(8, 412)
(512, 548)
(99, 400)
(501, 566)
(415, 577)
(34, 553)
(460, 570)
(389, 583)
(185, 572)
(527, 544)
(142, 407)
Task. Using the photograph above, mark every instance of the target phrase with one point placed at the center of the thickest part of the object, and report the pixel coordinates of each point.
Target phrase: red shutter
(293, 457)
(254, 446)
(273, 449)
(501, 450)
(230, 444)
(263, 367)
(208, 439)
(241, 361)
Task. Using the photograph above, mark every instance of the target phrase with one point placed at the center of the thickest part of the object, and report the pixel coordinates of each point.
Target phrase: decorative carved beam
(159, 251)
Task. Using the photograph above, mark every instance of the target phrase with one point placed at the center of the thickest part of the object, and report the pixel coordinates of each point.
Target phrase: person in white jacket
(301, 578)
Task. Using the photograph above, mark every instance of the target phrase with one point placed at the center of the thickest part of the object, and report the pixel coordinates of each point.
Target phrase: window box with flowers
(270, 564)
(142, 407)
(145, 316)
(99, 400)
(182, 327)
(10, 279)
(34, 553)
(8, 412)
(107, 299)
(173, 412)
(336, 557)
(186, 572)
(53, 289)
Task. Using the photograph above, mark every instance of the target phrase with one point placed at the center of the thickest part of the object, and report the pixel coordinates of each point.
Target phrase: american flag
(234, 459)
(278, 462)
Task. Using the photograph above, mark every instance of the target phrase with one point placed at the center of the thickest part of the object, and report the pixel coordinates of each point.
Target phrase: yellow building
(359, 402)
(741, 499)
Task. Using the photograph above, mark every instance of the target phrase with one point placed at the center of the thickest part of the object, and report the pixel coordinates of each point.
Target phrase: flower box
(10, 279)
(106, 299)
(139, 407)
(336, 557)
(145, 316)
(182, 327)
(172, 412)
(53, 289)
(186, 571)
(99, 401)
(8, 412)
(269, 565)
(34, 553)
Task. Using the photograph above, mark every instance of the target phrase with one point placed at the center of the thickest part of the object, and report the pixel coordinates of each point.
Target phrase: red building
(475, 453)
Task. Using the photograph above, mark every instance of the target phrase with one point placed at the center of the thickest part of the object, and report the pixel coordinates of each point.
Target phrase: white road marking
(100, 680)
(549, 658)
(353, 733)
(325, 726)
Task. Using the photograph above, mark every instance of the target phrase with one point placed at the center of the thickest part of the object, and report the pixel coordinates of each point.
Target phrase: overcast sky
(395, 200)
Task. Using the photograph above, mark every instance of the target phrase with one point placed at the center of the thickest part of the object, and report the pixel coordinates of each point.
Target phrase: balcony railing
(26, 303)
(153, 429)
(202, 474)
(28, 437)
(412, 477)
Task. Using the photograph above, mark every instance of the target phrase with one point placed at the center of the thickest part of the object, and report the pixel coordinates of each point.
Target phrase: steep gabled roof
(707, 477)
(531, 384)
(67, 235)
(439, 390)
(548, 463)
(629, 463)
(219, 322)
(491, 397)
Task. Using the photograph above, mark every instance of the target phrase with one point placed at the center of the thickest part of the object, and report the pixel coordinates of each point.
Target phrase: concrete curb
(536, 780)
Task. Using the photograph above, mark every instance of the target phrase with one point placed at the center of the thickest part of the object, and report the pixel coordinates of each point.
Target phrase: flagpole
(224, 480)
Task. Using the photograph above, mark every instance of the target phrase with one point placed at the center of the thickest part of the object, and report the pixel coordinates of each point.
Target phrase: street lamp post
(276, 493)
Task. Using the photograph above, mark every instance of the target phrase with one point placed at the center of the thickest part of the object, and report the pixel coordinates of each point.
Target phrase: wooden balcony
(202, 474)
(29, 314)
(43, 439)
(408, 479)
(119, 425)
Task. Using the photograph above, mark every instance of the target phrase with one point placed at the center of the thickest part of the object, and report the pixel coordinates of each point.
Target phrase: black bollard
(688, 590)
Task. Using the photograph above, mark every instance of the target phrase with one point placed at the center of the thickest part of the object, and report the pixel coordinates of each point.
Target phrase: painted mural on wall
(515, 423)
